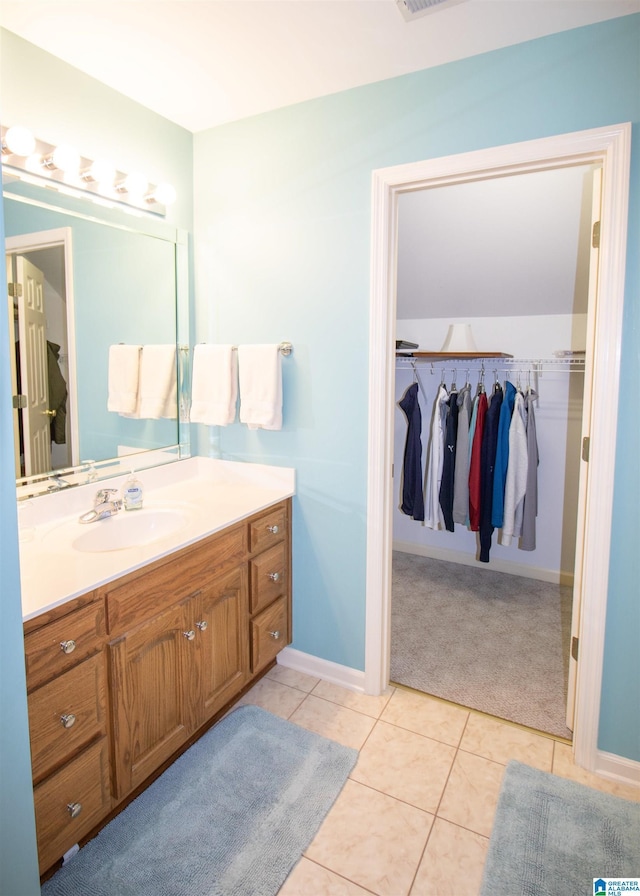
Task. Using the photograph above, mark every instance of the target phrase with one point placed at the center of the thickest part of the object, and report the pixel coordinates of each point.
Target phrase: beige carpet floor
(487, 640)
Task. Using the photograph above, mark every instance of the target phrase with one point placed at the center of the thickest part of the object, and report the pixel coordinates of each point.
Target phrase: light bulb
(33, 163)
(136, 184)
(103, 171)
(19, 140)
(66, 158)
(164, 194)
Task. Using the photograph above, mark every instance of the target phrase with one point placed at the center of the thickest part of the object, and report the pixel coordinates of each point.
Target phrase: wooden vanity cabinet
(270, 584)
(174, 668)
(67, 701)
(145, 662)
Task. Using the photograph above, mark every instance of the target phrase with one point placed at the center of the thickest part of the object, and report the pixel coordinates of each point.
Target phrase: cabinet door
(221, 633)
(150, 716)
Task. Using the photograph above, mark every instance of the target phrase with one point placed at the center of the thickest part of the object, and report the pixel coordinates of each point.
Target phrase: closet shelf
(451, 356)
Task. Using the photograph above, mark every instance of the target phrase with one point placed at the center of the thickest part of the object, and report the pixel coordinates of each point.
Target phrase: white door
(36, 416)
(578, 578)
(13, 311)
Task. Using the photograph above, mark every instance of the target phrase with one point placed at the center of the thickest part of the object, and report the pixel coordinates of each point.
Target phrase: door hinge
(19, 401)
(595, 235)
(574, 648)
(586, 445)
(14, 290)
(393, 469)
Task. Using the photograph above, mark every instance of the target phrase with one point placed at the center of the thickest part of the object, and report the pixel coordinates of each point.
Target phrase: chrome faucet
(104, 506)
(57, 483)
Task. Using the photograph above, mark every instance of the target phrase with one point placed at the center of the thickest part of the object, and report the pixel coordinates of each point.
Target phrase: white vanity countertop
(212, 494)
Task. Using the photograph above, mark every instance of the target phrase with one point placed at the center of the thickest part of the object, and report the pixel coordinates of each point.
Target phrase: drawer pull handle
(275, 635)
(274, 576)
(68, 720)
(273, 529)
(190, 635)
(67, 646)
(74, 809)
(202, 625)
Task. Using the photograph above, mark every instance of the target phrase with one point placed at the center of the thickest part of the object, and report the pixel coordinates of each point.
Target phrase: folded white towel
(158, 382)
(260, 374)
(214, 385)
(123, 378)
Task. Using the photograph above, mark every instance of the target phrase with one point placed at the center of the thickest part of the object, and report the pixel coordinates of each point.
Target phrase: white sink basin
(128, 530)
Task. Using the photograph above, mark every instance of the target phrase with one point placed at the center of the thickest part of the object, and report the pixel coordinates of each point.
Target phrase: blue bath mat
(231, 817)
(553, 837)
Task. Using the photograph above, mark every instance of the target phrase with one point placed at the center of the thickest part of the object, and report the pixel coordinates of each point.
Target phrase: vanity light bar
(34, 160)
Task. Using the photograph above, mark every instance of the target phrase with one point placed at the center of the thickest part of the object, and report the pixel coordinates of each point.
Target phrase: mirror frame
(86, 209)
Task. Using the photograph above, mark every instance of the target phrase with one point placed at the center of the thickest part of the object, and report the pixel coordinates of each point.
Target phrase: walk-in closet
(492, 297)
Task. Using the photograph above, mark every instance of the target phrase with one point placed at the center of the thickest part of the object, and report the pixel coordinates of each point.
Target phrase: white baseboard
(345, 676)
(617, 768)
(497, 565)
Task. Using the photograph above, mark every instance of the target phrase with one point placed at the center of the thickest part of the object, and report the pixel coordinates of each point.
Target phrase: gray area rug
(553, 837)
(487, 640)
(231, 817)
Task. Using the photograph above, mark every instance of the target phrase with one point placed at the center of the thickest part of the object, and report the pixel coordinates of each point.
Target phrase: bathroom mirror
(90, 276)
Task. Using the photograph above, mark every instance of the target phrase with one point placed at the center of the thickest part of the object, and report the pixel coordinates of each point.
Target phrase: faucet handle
(103, 495)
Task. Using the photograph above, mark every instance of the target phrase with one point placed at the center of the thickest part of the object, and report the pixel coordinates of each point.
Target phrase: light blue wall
(282, 236)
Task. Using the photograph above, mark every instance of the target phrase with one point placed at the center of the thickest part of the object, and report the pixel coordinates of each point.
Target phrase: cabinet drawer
(140, 596)
(82, 783)
(66, 714)
(269, 576)
(269, 634)
(59, 645)
(268, 529)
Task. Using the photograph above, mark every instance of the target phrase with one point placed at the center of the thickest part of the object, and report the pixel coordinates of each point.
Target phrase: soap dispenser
(132, 493)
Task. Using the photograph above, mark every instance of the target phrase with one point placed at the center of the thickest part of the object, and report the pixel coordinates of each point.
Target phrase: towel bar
(285, 348)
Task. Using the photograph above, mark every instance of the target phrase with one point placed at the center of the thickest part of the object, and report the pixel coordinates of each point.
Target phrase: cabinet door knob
(67, 646)
(273, 529)
(190, 635)
(275, 635)
(202, 625)
(68, 720)
(74, 809)
(274, 576)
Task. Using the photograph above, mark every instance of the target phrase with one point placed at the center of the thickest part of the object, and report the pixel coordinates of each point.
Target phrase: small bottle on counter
(132, 493)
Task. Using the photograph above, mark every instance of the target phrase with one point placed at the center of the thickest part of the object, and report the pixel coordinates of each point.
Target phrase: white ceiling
(201, 63)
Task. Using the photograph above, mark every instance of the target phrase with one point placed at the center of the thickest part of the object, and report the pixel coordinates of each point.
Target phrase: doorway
(507, 259)
(611, 148)
(43, 354)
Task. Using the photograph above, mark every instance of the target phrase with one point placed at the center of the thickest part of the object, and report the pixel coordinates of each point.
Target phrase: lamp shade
(459, 339)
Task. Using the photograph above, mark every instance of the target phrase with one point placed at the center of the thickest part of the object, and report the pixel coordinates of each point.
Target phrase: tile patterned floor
(396, 830)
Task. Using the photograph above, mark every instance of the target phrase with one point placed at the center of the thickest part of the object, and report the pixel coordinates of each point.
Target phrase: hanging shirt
(502, 456)
(433, 512)
(449, 461)
(412, 499)
(461, 474)
(530, 510)
(474, 465)
(516, 482)
(487, 470)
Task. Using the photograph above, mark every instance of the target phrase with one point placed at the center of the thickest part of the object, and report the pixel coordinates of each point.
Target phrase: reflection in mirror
(81, 281)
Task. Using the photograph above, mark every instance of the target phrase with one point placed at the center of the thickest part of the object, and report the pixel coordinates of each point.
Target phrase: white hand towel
(260, 374)
(214, 385)
(158, 382)
(123, 378)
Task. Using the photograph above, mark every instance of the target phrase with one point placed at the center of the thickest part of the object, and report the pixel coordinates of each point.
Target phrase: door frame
(610, 147)
(47, 239)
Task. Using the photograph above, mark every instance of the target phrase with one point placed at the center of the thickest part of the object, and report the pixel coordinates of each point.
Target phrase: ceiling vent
(414, 9)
